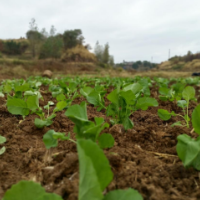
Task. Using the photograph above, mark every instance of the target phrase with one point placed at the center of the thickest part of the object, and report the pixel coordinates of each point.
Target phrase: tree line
(43, 44)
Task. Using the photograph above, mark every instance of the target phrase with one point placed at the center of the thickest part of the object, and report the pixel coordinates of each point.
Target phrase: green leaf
(2, 139)
(1, 94)
(61, 136)
(176, 124)
(127, 123)
(196, 119)
(94, 98)
(22, 88)
(60, 97)
(39, 123)
(164, 91)
(129, 97)
(51, 116)
(77, 113)
(188, 93)
(95, 174)
(17, 107)
(7, 88)
(182, 103)
(129, 194)
(86, 91)
(93, 131)
(188, 150)
(2, 150)
(135, 88)
(113, 97)
(33, 102)
(99, 120)
(24, 190)
(49, 139)
(60, 106)
(144, 102)
(164, 114)
(106, 140)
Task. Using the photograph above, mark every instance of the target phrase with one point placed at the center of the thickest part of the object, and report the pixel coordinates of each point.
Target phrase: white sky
(134, 29)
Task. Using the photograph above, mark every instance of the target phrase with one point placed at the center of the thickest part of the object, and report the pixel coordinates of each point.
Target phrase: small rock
(47, 73)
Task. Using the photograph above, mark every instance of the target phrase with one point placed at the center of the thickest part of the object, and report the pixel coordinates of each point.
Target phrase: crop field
(100, 139)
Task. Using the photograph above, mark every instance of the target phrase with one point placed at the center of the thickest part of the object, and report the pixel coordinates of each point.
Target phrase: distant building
(127, 65)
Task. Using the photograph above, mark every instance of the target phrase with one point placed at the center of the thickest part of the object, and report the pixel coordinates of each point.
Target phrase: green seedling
(124, 102)
(87, 129)
(187, 94)
(44, 121)
(94, 96)
(188, 149)
(2, 140)
(50, 140)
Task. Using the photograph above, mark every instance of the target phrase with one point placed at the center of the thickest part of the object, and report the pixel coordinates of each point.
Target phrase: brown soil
(143, 158)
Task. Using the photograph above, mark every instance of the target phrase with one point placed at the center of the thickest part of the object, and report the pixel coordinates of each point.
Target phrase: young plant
(44, 121)
(188, 149)
(94, 96)
(2, 140)
(88, 129)
(187, 94)
(124, 102)
(50, 140)
(22, 107)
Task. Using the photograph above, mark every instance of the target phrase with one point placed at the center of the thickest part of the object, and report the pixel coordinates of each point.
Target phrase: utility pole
(169, 55)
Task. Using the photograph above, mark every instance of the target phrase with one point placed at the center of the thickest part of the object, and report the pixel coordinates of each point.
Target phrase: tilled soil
(143, 158)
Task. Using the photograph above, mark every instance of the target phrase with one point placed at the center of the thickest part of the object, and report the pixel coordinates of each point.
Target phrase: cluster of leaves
(188, 94)
(124, 102)
(188, 149)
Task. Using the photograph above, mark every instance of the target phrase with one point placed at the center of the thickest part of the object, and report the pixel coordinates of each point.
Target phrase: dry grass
(191, 66)
(78, 54)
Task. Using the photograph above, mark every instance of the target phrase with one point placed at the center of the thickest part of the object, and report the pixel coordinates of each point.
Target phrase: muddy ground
(143, 158)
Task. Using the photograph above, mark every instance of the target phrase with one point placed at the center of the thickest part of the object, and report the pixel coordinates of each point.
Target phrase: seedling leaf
(188, 93)
(129, 194)
(196, 119)
(95, 174)
(39, 123)
(144, 102)
(17, 107)
(164, 114)
(2, 150)
(188, 150)
(24, 190)
(106, 140)
(49, 139)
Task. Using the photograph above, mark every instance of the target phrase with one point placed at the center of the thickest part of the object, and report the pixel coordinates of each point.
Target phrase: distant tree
(34, 36)
(52, 31)
(111, 61)
(44, 33)
(102, 55)
(71, 38)
(106, 55)
(51, 48)
(98, 51)
(12, 47)
(33, 25)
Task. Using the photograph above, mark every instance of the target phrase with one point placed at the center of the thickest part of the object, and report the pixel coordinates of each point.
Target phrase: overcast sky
(134, 29)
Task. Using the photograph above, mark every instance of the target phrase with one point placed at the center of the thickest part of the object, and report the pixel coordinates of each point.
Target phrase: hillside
(191, 66)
